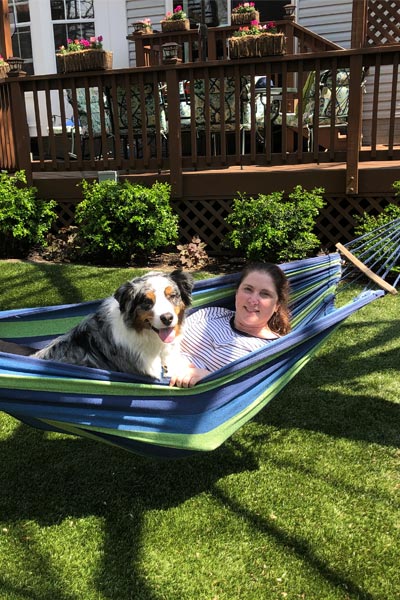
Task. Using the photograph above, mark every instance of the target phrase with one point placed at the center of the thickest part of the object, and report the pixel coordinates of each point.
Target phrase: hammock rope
(375, 254)
(149, 417)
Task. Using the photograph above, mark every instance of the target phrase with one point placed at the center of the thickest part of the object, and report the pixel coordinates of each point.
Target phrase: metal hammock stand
(376, 255)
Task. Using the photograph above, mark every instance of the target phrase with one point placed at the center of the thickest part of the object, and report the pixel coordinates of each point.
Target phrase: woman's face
(256, 301)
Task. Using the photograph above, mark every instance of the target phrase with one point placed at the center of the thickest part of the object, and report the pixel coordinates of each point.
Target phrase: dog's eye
(173, 296)
(146, 304)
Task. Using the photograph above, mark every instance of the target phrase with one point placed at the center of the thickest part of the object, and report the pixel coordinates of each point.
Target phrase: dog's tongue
(167, 335)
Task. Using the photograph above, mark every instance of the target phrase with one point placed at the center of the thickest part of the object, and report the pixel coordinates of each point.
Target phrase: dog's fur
(135, 331)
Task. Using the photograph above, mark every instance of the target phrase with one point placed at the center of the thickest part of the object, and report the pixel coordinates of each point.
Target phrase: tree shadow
(307, 402)
(46, 480)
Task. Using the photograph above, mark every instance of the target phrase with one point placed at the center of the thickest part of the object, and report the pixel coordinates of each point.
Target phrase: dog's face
(156, 301)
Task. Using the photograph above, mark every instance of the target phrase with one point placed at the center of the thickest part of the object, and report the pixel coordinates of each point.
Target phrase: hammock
(151, 418)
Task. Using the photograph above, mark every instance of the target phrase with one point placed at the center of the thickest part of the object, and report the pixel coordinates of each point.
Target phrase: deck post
(20, 128)
(359, 23)
(5, 33)
(354, 127)
(174, 134)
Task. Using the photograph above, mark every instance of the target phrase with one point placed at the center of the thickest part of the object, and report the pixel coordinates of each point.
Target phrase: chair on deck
(90, 115)
(341, 110)
(136, 121)
(221, 113)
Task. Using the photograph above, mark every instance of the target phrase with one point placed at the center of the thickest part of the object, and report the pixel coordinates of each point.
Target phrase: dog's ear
(185, 283)
(124, 294)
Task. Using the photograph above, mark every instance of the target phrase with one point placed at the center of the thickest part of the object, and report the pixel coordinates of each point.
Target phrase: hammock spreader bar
(149, 417)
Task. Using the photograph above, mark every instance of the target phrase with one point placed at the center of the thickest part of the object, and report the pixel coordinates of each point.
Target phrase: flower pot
(142, 28)
(244, 18)
(4, 70)
(175, 25)
(84, 60)
(253, 46)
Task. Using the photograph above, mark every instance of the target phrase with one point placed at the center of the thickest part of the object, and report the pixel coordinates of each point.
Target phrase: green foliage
(118, 220)
(274, 229)
(367, 223)
(302, 502)
(24, 219)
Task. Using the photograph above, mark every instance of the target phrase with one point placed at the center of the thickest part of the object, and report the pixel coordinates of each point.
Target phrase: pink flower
(254, 23)
(178, 9)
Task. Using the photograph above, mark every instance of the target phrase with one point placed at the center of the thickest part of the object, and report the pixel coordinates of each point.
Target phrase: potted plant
(143, 26)
(176, 21)
(244, 13)
(83, 55)
(4, 67)
(256, 40)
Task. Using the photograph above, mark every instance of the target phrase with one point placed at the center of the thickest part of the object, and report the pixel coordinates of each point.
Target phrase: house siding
(334, 21)
(141, 9)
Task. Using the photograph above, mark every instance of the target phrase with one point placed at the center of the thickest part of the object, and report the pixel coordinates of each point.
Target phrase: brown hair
(280, 320)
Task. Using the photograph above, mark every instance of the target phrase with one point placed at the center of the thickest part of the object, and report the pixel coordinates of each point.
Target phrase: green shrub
(368, 223)
(24, 219)
(274, 229)
(120, 220)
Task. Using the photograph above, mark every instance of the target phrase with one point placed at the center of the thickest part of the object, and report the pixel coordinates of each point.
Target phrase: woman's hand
(188, 377)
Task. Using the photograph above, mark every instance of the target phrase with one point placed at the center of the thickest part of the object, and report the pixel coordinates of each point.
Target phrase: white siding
(332, 20)
(141, 9)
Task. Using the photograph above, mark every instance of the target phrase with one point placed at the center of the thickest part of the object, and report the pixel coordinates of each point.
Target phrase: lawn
(301, 503)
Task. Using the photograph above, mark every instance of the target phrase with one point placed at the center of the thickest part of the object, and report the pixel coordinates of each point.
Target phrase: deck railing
(148, 47)
(131, 120)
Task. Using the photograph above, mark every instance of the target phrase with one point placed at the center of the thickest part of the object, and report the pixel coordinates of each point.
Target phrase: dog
(137, 330)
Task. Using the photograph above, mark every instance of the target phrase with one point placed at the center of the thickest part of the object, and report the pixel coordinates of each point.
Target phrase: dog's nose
(166, 318)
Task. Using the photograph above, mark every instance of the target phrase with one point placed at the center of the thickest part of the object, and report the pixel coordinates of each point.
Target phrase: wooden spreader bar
(360, 265)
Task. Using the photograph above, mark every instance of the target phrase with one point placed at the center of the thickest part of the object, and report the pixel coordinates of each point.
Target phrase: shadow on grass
(46, 481)
(329, 396)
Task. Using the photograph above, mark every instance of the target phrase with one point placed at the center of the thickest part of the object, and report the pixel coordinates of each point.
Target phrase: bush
(368, 223)
(273, 229)
(24, 219)
(121, 220)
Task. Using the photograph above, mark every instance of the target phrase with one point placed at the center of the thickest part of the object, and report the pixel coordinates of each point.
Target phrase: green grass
(301, 503)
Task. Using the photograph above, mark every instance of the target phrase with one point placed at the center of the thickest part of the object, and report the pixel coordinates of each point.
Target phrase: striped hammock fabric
(151, 418)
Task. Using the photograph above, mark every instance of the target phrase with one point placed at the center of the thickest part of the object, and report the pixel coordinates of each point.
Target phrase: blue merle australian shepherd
(135, 331)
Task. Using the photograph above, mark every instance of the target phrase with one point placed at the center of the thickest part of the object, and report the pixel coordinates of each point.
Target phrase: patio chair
(325, 109)
(220, 112)
(89, 119)
(137, 119)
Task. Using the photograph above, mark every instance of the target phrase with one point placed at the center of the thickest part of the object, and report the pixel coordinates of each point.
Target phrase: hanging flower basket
(84, 60)
(253, 46)
(244, 18)
(175, 25)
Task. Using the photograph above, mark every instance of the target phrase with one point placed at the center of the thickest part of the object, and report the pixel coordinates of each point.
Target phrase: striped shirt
(211, 341)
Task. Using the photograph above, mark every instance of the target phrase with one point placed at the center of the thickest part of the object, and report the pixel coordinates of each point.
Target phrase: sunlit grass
(301, 503)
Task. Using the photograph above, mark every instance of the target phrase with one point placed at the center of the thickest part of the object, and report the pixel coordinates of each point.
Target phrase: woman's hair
(280, 320)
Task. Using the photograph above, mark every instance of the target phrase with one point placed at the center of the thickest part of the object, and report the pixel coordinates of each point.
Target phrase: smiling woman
(216, 336)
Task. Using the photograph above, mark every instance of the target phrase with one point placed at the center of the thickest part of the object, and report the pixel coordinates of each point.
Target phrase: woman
(216, 336)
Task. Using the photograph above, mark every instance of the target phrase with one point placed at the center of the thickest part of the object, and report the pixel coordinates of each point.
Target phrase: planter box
(84, 60)
(4, 70)
(142, 28)
(244, 18)
(253, 46)
(175, 25)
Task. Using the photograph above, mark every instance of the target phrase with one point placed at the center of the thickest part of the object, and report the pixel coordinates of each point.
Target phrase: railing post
(139, 51)
(174, 134)
(354, 127)
(359, 23)
(20, 128)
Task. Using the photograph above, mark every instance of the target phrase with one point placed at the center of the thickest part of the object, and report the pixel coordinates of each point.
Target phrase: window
(72, 19)
(21, 28)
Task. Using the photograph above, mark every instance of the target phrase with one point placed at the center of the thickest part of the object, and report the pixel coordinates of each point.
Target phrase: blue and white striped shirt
(210, 340)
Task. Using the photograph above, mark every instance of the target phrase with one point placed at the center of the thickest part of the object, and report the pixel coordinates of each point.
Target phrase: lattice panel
(383, 22)
(205, 218)
(337, 220)
(65, 214)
